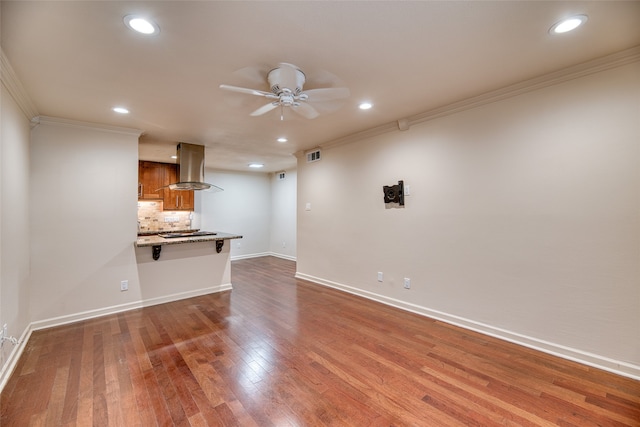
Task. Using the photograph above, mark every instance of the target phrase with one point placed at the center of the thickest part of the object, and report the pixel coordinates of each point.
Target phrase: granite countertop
(154, 233)
(158, 240)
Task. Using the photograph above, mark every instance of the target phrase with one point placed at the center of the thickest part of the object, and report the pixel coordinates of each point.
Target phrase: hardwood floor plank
(277, 351)
(198, 420)
(162, 394)
(100, 411)
(472, 393)
(241, 414)
(70, 405)
(56, 402)
(84, 413)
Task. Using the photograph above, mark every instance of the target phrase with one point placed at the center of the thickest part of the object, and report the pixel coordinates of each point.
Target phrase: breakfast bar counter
(179, 238)
(183, 265)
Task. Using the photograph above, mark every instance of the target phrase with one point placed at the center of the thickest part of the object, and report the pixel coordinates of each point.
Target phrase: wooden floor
(277, 351)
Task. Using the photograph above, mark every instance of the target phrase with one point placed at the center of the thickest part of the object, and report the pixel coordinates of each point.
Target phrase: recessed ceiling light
(174, 157)
(141, 25)
(365, 105)
(120, 110)
(282, 139)
(568, 24)
(256, 165)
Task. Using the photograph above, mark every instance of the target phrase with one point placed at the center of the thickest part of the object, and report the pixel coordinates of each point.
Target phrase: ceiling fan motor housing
(286, 77)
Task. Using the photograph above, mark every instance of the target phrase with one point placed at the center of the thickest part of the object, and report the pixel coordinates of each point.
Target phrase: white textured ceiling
(76, 60)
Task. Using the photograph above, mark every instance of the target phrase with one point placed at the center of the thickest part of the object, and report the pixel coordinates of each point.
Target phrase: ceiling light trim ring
(141, 25)
(568, 24)
(120, 110)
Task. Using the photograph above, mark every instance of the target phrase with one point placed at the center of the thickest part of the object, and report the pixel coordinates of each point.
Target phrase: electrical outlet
(380, 276)
(124, 285)
(407, 283)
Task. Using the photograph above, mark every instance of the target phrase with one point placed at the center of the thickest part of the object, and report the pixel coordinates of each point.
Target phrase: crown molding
(55, 121)
(584, 69)
(11, 82)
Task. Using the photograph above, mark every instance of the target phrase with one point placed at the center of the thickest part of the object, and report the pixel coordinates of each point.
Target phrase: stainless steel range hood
(191, 169)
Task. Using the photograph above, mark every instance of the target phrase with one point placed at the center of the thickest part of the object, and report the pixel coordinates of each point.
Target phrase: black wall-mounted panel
(394, 193)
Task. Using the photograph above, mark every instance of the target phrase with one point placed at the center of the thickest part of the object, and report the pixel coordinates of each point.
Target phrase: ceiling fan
(286, 83)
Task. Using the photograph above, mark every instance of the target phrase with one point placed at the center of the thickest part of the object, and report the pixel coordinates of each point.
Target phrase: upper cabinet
(153, 176)
(151, 179)
(176, 200)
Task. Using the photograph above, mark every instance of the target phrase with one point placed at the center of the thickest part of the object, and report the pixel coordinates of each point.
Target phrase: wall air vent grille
(313, 156)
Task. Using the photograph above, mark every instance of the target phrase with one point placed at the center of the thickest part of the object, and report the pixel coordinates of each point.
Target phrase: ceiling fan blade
(256, 75)
(326, 107)
(245, 90)
(327, 94)
(265, 109)
(305, 110)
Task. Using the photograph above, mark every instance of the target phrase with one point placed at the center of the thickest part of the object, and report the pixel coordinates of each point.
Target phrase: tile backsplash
(151, 217)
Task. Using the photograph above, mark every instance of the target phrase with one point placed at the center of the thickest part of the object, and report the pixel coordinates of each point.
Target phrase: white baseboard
(12, 361)
(261, 254)
(247, 256)
(597, 361)
(283, 256)
(10, 365)
(90, 314)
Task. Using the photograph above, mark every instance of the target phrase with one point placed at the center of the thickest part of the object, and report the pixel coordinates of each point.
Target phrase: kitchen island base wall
(183, 268)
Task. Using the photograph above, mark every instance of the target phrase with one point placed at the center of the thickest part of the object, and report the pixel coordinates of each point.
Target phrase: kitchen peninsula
(184, 265)
(160, 239)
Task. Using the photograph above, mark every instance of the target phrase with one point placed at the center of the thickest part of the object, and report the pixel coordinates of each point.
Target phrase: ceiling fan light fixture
(568, 24)
(141, 25)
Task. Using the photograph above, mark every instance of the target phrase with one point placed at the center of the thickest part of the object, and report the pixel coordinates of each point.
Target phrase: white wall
(83, 218)
(283, 215)
(14, 221)
(256, 205)
(523, 219)
(244, 207)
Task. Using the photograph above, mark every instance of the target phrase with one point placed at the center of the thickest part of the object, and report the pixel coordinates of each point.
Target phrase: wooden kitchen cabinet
(151, 179)
(176, 200)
